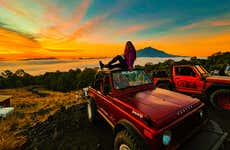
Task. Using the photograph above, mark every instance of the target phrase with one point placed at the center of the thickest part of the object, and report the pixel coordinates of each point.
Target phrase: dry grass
(30, 109)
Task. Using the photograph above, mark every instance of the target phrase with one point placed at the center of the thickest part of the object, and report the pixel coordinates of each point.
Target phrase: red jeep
(195, 80)
(143, 117)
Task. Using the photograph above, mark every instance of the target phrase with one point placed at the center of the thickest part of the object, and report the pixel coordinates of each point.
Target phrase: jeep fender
(126, 125)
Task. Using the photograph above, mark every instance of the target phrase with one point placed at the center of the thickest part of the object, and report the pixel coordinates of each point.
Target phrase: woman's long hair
(130, 53)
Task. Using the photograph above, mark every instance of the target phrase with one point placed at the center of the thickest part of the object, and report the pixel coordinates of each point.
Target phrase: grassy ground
(30, 109)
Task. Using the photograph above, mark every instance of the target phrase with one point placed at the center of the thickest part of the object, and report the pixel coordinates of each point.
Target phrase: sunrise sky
(96, 28)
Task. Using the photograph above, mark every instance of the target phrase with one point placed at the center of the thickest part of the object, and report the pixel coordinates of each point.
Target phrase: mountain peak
(152, 52)
(148, 47)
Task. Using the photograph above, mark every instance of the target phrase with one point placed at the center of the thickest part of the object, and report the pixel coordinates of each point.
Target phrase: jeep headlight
(167, 137)
(85, 90)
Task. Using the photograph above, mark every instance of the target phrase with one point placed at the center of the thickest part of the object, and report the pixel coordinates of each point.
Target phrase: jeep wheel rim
(124, 147)
(89, 111)
(223, 101)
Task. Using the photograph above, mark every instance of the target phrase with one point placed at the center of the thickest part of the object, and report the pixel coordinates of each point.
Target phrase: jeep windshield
(125, 79)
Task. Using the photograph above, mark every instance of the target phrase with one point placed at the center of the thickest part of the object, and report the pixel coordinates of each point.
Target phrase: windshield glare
(124, 79)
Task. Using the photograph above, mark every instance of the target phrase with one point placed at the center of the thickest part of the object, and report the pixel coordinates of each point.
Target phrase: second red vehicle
(195, 80)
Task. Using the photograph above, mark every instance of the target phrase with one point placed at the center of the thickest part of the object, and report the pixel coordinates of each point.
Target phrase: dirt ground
(223, 119)
(70, 129)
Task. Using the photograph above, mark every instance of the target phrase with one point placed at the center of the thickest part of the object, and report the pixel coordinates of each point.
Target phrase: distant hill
(152, 52)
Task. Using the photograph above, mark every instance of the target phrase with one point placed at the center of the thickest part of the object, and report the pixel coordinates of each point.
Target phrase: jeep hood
(219, 79)
(162, 106)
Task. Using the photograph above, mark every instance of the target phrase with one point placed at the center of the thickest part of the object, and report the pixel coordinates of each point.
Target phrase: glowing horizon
(89, 28)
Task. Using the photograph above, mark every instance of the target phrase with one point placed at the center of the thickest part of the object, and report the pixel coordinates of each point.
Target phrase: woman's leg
(122, 64)
(116, 66)
(115, 59)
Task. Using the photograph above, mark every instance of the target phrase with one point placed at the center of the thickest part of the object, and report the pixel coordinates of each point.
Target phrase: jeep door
(186, 79)
(103, 98)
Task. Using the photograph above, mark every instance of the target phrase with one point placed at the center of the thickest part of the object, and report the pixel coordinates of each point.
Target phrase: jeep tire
(220, 99)
(125, 141)
(91, 110)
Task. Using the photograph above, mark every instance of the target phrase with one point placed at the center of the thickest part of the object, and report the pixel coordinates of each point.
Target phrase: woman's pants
(122, 64)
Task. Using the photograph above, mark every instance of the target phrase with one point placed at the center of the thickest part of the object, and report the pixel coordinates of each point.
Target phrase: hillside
(55, 120)
(152, 52)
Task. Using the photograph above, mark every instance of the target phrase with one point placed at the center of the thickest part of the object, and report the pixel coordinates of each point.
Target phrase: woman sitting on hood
(124, 62)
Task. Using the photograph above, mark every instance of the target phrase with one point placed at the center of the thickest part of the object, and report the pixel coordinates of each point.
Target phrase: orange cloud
(221, 23)
(65, 30)
(86, 28)
(139, 27)
(95, 24)
(8, 36)
(13, 44)
(12, 8)
(81, 48)
(206, 24)
(18, 10)
(59, 25)
(132, 29)
(80, 11)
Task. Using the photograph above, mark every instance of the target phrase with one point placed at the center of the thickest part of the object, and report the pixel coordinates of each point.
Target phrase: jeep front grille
(185, 128)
